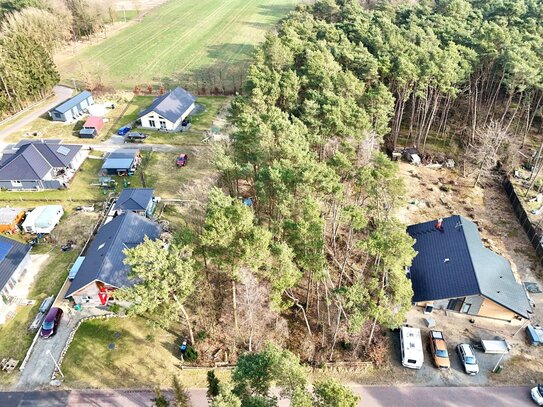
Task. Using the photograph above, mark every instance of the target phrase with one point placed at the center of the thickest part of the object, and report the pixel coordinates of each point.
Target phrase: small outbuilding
(137, 200)
(10, 219)
(92, 127)
(43, 219)
(73, 108)
(121, 162)
(168, 111)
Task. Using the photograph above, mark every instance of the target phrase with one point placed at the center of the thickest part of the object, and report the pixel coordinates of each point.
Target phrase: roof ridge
(469, 251)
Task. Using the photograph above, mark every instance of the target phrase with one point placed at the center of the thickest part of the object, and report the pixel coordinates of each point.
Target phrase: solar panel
(63, 150)
(4, 250)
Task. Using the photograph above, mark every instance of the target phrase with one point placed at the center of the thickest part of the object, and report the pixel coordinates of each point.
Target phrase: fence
(534, 232)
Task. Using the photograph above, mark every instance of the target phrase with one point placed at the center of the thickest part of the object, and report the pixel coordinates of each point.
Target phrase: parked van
(411, 346)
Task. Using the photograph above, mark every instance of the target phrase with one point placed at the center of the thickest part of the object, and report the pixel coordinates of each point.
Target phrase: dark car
(123, 130)
(50, 323)
(135, 136)
(181, 160)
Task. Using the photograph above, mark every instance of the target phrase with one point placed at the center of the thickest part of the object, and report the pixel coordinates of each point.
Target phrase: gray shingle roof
(104, 257)
(454, 263)
(34, 159)
(134, 199)
(67, 105)
(171, 105)
(17, 252)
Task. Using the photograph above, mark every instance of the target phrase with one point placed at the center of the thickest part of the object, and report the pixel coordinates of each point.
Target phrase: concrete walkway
(61, 93)
(40, 366)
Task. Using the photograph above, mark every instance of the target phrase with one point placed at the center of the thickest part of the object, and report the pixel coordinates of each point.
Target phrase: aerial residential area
(242, 203)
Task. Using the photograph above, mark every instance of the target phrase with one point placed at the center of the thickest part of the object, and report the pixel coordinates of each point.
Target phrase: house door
(455, 304)
(162, 124)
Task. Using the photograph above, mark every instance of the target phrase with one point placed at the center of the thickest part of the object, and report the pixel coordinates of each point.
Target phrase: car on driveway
(123, 130)
(50, 323)
(468, 359)
(537, 394)
(135, 136)
(181, 161)
(438, 349)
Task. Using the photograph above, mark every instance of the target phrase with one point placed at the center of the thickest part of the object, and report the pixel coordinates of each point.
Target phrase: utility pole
(55, 362)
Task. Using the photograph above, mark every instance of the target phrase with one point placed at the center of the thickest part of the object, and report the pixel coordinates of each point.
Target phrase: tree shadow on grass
(225, 76)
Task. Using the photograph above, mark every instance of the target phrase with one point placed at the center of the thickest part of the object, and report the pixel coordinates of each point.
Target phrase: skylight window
(63, 150)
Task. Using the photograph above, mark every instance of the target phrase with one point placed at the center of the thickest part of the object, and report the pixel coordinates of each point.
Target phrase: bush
(379, 351)
(191, 355)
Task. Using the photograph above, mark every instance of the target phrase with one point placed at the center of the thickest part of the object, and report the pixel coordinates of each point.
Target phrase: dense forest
(315, 259)
(30, 31)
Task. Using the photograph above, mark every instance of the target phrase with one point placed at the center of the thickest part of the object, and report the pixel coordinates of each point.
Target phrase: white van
(411, 345)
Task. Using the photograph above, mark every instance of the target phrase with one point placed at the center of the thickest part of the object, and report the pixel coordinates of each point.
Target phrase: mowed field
(177, 40)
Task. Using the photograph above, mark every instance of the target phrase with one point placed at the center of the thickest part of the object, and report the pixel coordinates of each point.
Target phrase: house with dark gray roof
(138, 200)
(14, 259)
(168, 111)
(39, 164)
(453, 270)
(121, 162)
(73, 108)
(103, 270)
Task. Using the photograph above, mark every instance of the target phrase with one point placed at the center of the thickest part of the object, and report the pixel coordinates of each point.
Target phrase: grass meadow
(179, 42)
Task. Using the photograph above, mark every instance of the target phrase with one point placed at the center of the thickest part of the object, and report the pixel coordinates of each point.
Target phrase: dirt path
(61, 93)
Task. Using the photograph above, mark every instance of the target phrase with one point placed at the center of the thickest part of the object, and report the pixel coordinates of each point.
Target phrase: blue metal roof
(12, 259)
(104, 259)
(117, 164)
(171, 105)
(134, 199)
(70, 103)
(5, 247)
(453, 263)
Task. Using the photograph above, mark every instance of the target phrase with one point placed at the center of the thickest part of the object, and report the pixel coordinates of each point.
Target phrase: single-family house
(10, 219)
(103, 270)
(121, 162)
(453, 270)
(14, 259)
(43, 219)
(40, 164)
(137, 200)
(72, 108)
(92, 127)
(168, 111)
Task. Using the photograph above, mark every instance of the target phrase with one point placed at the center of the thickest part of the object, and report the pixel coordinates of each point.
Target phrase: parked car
(123, 130)
(438, 349)
(135, 136)
(537, 394)
(468, 359)
(181, 160)
(50, 323)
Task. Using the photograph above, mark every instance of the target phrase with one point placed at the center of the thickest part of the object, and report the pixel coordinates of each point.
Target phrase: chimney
(439, 224)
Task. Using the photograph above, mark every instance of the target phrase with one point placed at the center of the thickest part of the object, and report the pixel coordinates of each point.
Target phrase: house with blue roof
(121, 162)
(72, 109)
(453, 270)
(138, 200)
(168, 111)
(14, 259)
(102, 271)
(40, 164)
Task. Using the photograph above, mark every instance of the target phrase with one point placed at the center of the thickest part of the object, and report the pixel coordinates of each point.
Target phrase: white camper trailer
(43, 219)
(411, 346)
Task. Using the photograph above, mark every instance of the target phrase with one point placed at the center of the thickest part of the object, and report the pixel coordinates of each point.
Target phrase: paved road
(372, 396)
(61, 93)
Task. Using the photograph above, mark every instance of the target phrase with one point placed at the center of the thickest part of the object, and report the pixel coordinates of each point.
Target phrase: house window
(16, 184)
(86, 299)
(152, 123)
(162, 124)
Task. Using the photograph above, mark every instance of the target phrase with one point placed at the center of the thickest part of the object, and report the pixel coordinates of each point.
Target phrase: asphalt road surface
(372, 396)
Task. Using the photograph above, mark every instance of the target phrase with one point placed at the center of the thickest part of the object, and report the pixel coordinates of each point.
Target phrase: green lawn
(177, 40)
(142, 357)
(14, 335)
(80, 188)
